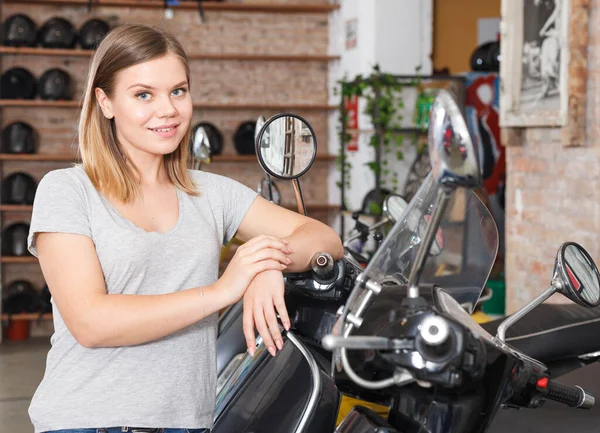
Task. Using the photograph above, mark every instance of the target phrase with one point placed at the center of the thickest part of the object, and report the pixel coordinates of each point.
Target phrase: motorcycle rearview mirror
(266, 187)
(394, 206)
(575, 276)
(259, 124)
(201, 148)
(454, 164)
(453, 156)
(286, 147)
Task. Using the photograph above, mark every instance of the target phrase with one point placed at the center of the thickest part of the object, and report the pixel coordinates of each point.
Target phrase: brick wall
(553, 193)
(213, 81)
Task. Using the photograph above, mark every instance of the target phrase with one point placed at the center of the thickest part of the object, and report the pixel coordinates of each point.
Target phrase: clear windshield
(461, 256)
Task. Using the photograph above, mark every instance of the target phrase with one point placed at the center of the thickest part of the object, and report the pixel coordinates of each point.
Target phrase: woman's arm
(306, 236)
(264, 296)
(73, 273)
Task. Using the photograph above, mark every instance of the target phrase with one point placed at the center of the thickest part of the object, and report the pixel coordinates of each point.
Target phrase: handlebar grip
(571, 395)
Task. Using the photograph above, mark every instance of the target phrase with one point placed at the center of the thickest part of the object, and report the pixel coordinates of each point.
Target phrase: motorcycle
(404, 337)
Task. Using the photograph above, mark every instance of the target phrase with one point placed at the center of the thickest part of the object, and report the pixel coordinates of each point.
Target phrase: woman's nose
(166, 108)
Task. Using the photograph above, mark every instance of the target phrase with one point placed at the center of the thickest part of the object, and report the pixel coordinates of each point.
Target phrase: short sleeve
(59, 207)
(237, 199)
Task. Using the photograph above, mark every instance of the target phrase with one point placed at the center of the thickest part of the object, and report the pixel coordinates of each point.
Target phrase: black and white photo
(534, 63)
(540, 78)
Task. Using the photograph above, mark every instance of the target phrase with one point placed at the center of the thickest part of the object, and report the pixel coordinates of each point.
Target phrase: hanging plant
(382, 93)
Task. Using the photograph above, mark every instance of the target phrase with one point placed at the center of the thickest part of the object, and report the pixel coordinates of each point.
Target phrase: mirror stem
(299, 198)
(440, 207)
(512, 319)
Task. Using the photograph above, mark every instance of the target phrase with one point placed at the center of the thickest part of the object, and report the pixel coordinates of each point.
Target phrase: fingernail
(290, 249)
(288, 260)
(272, 350)
(286, 325)
(251, 351)
(283, 266)
(279, 344)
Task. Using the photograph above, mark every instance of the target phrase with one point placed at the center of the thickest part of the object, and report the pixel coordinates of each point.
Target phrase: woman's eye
(144, 96)
(178, 92)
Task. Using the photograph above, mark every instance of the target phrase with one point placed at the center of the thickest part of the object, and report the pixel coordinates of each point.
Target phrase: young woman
(129, 245)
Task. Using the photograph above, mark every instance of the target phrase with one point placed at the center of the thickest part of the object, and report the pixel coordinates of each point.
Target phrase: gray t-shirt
(167, 383)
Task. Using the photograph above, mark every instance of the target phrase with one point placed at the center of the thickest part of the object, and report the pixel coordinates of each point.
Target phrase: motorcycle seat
(554, 332)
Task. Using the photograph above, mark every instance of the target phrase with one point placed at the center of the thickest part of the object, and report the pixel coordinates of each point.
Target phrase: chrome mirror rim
(563, 279)
(260, 137)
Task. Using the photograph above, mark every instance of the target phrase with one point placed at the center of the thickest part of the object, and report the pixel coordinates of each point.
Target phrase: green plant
(383, 95)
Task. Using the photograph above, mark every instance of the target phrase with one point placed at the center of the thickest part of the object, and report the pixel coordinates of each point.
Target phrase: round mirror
(259, 124)
(454, 160)
(578, 274)
(201, 147)
(286, 146)
(394, 206)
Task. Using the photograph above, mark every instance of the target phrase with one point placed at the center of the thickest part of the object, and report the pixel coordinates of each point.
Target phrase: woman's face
(151, 105)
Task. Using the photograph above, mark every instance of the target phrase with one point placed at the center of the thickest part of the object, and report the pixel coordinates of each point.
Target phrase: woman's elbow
(86, 334)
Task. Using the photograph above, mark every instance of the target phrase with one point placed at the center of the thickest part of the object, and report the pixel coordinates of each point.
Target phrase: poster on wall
(534, 65)
(351, 33)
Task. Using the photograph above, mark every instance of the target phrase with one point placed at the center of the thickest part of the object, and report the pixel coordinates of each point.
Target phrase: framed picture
(543, 58)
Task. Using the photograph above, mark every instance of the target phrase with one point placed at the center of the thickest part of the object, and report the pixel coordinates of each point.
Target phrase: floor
(21, 370)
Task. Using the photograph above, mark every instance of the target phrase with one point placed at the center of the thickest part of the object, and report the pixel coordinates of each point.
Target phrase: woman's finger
(248, 327)
(267, 253)
(273, 325)
(274, 243)
(263, 330)
(279, 303)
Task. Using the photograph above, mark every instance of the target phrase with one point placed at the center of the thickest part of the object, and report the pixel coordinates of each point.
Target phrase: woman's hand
(263, 297)
(259, 254)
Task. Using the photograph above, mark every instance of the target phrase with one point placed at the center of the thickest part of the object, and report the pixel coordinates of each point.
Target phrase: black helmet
(486, 57)
(17, 83)
(57, 33)
(14, 240)
(19, 31)
(214, 136)
(244, 138)
(18, 137)
(18, 188)
(55, 84)
(92, 32)
(21, 297)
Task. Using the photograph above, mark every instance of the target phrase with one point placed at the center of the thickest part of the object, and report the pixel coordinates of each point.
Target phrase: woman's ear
(104, 102)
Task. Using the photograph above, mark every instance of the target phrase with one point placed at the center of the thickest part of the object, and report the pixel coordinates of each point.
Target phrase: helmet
(17, 83)
(14, 240)
(19, 31)
(55, 84)
(21, 297)
(486, 57)
(57, 33)
(244, 138)
(18, 188)
(92, 32)
(214, 136)
(18, 137)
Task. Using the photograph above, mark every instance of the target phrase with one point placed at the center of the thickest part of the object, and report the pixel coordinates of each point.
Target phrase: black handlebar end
(571, 395)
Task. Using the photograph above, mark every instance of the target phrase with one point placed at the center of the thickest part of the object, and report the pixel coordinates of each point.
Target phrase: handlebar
(571, 395)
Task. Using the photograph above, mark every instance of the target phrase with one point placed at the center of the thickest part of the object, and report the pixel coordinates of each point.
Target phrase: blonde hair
(103, 159)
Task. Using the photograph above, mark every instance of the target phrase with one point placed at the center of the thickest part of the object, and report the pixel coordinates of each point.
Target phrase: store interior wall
(455, 30)
(387, 34)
